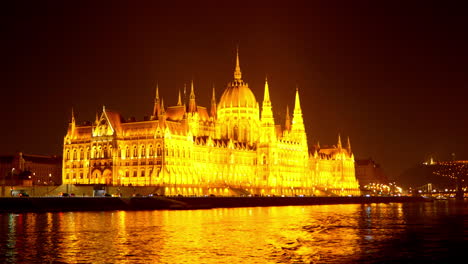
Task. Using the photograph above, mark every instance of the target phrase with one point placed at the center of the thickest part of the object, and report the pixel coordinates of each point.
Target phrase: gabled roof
(115, 120)
(175, 113)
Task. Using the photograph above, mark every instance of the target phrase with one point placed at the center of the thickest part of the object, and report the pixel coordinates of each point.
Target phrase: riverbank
(57, 204)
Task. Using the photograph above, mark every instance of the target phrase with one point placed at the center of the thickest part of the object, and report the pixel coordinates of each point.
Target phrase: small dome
(237, 94)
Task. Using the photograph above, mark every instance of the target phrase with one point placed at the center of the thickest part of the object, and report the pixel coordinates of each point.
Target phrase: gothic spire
(267, 114)
(266, 95)
(349, 146)
(213, 104)
(72, 116)
(237, 72)
(339, 141)
(192, 103)
(287, 125)
(297, 121)
(179, 101)
(157, 103)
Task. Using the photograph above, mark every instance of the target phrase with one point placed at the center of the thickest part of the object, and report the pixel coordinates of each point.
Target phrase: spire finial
(157, 106)
(157, 91)
(179, 101)
(339, 141)
(287, 124)
(192, 103)
(237, 72)
(72, 116)
(213, 97)
(192, 92)
(266, 96)
(349, 146)
(213, 104)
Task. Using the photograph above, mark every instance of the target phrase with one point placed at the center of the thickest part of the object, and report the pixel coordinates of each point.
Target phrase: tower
(157, 104)
(267, 120)
(297, 128)
(213, 111)
(192, 103)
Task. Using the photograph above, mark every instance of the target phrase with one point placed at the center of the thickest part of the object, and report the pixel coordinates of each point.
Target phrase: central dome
(237, 94)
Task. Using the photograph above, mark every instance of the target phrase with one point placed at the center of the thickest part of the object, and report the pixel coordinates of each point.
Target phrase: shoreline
(63, 204)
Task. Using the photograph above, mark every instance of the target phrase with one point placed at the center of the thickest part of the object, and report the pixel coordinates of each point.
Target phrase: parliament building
(232, 148)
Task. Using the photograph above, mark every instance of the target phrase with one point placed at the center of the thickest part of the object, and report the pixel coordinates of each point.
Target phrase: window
(135, 151)
(151, 151)
(158, 150)
(143, 152)
(142, 174)
(135, 173)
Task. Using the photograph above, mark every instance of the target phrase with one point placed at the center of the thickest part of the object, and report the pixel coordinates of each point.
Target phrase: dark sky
(393, 78)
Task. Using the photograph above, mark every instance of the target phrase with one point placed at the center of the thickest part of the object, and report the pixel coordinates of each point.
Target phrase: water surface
(374, 233)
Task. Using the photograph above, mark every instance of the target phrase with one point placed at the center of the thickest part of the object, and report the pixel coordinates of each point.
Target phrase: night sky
(393, 78)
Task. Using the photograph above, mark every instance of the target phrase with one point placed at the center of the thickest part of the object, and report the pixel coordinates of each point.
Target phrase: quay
(59, 204)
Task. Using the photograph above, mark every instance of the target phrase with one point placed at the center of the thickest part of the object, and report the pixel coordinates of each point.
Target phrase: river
(431, 232)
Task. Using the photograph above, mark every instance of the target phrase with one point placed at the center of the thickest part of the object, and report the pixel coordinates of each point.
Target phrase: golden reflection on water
(291, 234)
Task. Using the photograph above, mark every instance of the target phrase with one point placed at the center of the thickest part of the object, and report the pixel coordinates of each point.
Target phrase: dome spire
(157, 103)
(237, 72)
(192, 103)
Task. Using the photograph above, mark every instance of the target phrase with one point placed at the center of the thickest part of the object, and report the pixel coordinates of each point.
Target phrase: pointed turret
(192, 103)
(339, 142)
(72, 121)
(268, 122)
(267, 113)
(287, 124)
(213, 104)
(297, 121)
(97, 119)
(348, 147)
(179, 100)
(237, 72)
(162, 107)
(157, 104)
(72, 116)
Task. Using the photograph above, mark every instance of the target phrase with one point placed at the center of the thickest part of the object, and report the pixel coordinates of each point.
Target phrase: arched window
(109, 152)
(74, 154)
(104, 152)
(158, 150)
(143, 152)
(81, 156)
(127, 152)
(151, 151)
(68, 155)
(236, 133)
(99, 152)
(135, 151)
(93, 152)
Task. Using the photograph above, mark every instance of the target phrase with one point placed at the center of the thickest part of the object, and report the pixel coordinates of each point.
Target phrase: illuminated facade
(233, 148)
